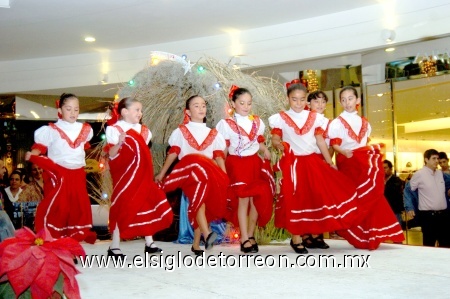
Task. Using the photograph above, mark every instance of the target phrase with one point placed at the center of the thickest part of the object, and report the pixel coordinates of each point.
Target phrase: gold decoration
(313, 83)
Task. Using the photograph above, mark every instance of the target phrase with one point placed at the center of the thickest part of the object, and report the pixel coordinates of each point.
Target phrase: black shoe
(298, 250)
(320, 243)
(255, 246)
(246, 249)
(210, 240)
(151, 250)
(197, 252)
(308, 241)
(116, 256)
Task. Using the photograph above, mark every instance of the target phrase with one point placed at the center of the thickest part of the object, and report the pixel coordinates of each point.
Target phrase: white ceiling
(42, 48)
(45, 28)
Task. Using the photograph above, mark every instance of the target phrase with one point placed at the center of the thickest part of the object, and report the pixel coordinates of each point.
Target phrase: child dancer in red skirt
(138, 206)
(252, 183)
(200, 173)
(312, 198)
(349, 134)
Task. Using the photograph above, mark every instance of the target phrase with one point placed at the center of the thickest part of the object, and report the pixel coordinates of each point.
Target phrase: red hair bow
(114, 114)
(232, 90)
(186, 118)
(57, 107)
(295, 81)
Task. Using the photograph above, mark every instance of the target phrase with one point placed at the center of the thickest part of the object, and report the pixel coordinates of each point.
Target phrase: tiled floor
(392, 271)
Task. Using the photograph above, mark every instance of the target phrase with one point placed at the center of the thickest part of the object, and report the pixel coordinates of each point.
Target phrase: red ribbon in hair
(114, 114)
(57, 106)
(232, 90)
(186, 118)
(295, 81)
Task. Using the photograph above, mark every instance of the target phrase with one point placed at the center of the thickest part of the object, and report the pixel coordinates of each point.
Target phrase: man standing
(393, 190)
(433, 205)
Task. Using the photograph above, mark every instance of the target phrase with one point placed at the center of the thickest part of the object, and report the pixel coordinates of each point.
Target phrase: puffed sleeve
(43, 137)
(320, 124)
(275, 122)
(112, 135)
(219, 142)
(175, 141)
(223, 128)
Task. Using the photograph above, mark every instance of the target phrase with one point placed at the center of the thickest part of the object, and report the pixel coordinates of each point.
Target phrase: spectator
(393, 190)
(432, 207)
(443, 162)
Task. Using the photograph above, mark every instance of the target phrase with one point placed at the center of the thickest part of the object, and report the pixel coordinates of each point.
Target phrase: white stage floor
(392, 271)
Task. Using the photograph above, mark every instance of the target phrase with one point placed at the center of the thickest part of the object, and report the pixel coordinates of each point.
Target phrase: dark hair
(389, 163)
(351, 88)
(188, 102)
(64, 97)
(296, 86)
(19, 173)
(238, 92)
(317, 94)
(443, 155)
(430, 152)
(125, 103)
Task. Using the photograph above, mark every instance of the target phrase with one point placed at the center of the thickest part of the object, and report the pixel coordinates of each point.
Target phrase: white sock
(115, 244)
(149, 241)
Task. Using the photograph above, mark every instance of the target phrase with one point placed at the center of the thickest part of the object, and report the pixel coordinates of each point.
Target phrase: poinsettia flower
(35, 261)
(251, 117)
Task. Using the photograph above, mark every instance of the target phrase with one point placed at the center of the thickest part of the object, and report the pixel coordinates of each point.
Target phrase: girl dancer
(252, 184)
(204, 182)
(305, 205)
(138, 206)
(349, 134)
(65, 209)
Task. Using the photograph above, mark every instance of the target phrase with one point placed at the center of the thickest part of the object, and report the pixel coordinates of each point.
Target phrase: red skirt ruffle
(376, 222)
(138, 206)
(203, 182)
(250, 177)
(65, 209)
(314, 197)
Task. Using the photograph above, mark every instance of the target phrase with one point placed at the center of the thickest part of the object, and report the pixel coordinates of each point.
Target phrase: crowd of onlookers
(20, 193)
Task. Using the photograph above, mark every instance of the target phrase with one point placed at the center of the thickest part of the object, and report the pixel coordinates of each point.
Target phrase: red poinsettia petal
(70, 283)
(47, 277)
(38, 293)
(71, 289)
(66, 244)
(45, 235)
(25, 234)
(5, 243)
(14, 256)
(21, 278)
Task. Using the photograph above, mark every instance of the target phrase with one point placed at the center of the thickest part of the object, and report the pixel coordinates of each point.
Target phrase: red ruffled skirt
(203, 182)
(65, 209)
(314, 197)
(376, 222)
(138, 206)
(250, 177)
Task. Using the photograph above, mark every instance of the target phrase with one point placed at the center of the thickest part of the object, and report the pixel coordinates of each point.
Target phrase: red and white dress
(376, 221)
(66, 209)
(138, 206)
(197, 174)
(250, 176)
(311, 199)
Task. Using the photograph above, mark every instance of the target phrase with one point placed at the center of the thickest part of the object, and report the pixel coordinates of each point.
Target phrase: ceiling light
(89, 39)
(5, 3)
(389, 49)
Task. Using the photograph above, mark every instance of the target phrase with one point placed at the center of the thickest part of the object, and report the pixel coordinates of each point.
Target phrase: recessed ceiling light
(389, 49)
(89, 39)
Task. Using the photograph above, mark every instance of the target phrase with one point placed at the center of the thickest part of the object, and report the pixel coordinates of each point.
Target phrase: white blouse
(59, 149)
(244, 137)
(194, 144)
(112, 133)
(337, 129)
(304, 144)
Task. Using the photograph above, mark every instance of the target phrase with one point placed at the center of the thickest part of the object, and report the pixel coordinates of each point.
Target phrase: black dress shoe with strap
(151, 250)
(246, 249)
(116, 256)
(197, 252)
(255, 246)
(301, 250)
(210, 240)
